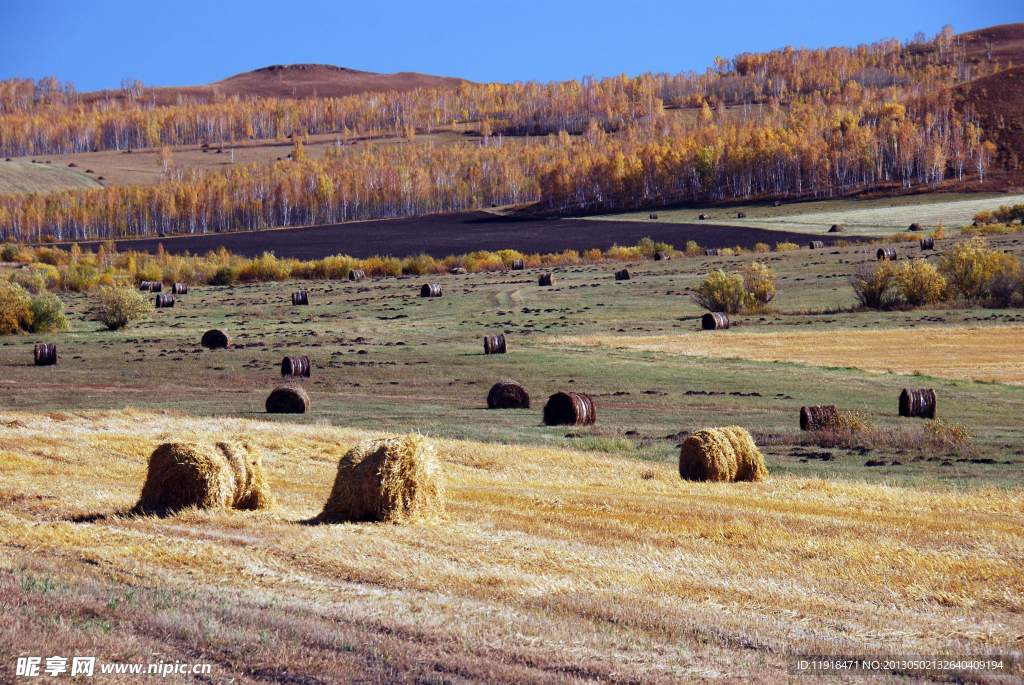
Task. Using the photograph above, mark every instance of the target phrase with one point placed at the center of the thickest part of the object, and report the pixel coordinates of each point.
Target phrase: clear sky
(96, 44)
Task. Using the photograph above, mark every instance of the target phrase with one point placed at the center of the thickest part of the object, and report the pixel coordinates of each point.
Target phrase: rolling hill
(21, 177)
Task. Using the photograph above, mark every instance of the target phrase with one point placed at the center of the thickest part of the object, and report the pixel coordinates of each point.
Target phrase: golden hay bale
(221, 476)
(721, 454)
(397, 480)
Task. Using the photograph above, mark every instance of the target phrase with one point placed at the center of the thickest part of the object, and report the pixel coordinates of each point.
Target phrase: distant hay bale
(458, 271)
(817, 245)
(156, 286)
(430, 290)
(518, 265)
(180, 289)
(777, 203)
(214, 339)
(163, 301)
(836, 228)
(714, 321)
(227, 475)
(915, 227)
(928, 243)
(546, 279)
(741, 215)
(886, 253)
(288, 399)
(508, 394)
(569, 409)
(145, 286)
(653, 216)
(300, 297)
(494, 344)
(917, 403)
(721, 455)
(396, 480)
(623, 275)
(45, 354)
(296, 367)
(356, 275)
(703, 217)
(662, 256)
(819, 417)
(711, 252)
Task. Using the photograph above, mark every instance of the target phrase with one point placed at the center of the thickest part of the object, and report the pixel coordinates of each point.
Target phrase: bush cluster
(19, 311)
(722, 292)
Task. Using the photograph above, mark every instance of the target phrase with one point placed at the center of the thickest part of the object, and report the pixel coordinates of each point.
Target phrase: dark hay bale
(163, 301)
(777, 203)
(144, 286)
(227, 475)
(508, 395)
(741, 215)
(886, 253)
(46, 354)
(156, 286)
(288, 399)
(430, 290)
(300, 297)
(623, 275)
(928, 243)
(72, 165)
(836, 228)
(702, 217)
(356, 275)
(819, 417)
(569, 409)
(397, 480)
(711, 252)
(494, 344)
(180, 289)
(816, 245)
(662, 256)
(296, 367)
(917, 403)
(653, 216)
(214, 339)
(721, 455)
(915, 227)
(458, 271)
(546, 279)
(518, 265)
(714, 321)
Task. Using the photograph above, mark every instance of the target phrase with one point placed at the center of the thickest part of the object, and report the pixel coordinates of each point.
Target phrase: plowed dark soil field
(459, 233)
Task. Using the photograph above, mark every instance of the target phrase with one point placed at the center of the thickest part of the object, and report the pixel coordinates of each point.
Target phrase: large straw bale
(227, 475)
(397, 480)
(721, 454)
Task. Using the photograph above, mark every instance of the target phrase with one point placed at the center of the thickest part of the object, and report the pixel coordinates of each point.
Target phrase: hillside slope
(22, 177)
(997, 100)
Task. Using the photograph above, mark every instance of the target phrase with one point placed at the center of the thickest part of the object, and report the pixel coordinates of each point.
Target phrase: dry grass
(25, 177)
(960, 353)
(555, 566)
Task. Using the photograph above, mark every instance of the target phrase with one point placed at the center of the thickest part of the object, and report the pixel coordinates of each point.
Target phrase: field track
(460, 233)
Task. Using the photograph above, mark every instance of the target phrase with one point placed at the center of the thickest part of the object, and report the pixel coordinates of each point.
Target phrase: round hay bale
(702, 217)
(623, 275)
(397, 480)
(494, 344)
(886, 253)
(214, 339)
(819, 417)
(458, 271)
(288, 399)
(721, 455)
(430, 290)
(928, 243)
(189, 474)
(156, 286)
(662, 256)
(508, 395)
(45, 354)
(300, 298)
(163, 301)
(741, 215)
(654, 216)
(777, 203)
(518, 264)
(180, 289)
(144, 286)
(356, 275)
(569, 409)
(711, 252)
(915, 227)
(714, 321)
(917, 403)
(836, 228)
(296, 367)
(816, 245)
(546, 279)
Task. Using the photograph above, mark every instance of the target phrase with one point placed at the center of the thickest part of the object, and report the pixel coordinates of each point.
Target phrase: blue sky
(181, 43)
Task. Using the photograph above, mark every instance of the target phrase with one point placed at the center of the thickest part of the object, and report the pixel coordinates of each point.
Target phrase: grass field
(570, 554)
(22, 177)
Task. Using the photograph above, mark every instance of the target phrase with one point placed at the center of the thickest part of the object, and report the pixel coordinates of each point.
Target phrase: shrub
(37, 278)
(725, 252)
(761, 248)
(759, 284)
(119, 307)
(645, 248)
(226, 275)
(664, 247)
(971, 267)
(693, 249)
(48, 315)
(78, 278)
(786, 247)
(919, 282)
(593, 255)
(418, 265)
(15, 314)
(720, 292)
(9, 252)
(874, 286)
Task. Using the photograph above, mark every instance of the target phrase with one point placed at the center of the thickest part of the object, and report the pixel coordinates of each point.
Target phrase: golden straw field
(972, 353)
(553, 565)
